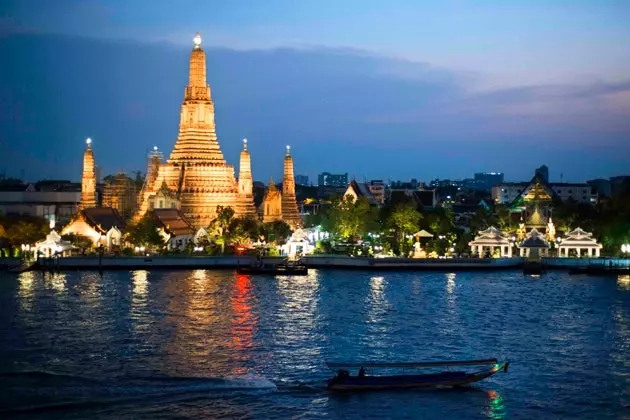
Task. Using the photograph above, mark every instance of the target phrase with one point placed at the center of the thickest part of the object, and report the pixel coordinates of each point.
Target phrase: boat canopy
(333, 365)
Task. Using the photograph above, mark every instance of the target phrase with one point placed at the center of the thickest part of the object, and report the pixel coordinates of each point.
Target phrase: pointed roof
(272, 185)
(534, 239)
(361, 189)
(490, 237)
(537, 190)
(174, 221)
(102, 218)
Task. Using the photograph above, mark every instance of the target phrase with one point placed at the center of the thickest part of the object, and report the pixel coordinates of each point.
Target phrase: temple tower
(245, 182)
(196, 173)
(290, 213)
(88, 180)
(272, 204)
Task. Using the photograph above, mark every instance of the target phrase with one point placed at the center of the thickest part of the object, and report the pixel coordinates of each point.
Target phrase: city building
(326, 179)
(618, 184)
(196, 171)
(543, 172)
(509, 192)
(377, 189)
(486, 180)
(301, 180)
(51, 200)
(601, 187)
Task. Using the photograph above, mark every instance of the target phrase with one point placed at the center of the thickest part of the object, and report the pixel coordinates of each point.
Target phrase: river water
(213, 344)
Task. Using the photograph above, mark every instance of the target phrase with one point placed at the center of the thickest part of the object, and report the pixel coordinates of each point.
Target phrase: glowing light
(88, 141)
(245, 141)
(197, 39)
(155, 148)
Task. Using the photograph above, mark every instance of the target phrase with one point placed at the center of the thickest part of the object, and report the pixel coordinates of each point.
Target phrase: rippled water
(211, 344)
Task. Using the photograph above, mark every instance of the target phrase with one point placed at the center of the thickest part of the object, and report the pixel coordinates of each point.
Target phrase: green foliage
(276, 232)
(350, 219)
(145, 233)
(220, 226)
(404, 220)
(243, 230)
(24, 230)
(80, 241)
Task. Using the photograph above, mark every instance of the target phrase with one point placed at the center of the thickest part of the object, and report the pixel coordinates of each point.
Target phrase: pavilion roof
(579, 233)
(490, 236)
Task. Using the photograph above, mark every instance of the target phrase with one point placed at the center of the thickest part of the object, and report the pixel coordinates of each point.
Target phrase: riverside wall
(319, 261)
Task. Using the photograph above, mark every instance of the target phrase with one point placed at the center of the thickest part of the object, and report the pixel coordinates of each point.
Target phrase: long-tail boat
(343, 381)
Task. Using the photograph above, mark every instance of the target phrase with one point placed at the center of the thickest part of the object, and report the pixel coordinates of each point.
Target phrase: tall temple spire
(290, 213)
(197, 140)
(88, 180)
(245, 182)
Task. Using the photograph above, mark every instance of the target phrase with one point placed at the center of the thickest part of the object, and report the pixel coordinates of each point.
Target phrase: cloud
(341, 110)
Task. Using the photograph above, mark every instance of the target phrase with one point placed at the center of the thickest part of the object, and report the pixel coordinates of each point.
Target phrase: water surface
(213, 344)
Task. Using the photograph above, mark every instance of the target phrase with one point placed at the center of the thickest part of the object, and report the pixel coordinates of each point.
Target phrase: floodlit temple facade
(196, 172)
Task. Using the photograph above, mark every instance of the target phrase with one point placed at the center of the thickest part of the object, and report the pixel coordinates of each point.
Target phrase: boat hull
(438, 380)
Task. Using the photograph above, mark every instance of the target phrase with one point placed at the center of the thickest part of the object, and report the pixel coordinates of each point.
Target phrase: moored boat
(343, 381)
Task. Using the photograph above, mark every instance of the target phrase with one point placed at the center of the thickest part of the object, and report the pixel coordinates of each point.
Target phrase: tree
(219, 228)
(275, 232)
(243, 230)
(349, 218)
(26, 230)
(80, 241)
(403, 219)
(145, 233)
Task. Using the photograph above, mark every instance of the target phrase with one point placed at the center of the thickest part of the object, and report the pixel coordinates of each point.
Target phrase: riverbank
(322, 262)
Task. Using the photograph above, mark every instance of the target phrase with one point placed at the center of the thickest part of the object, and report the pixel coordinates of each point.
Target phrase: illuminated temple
(196, 173)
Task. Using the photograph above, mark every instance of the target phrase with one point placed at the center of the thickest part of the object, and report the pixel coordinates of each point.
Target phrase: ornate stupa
(290, 213)
(196, 171)
(245, 181)
(272, 204)
(88, 180)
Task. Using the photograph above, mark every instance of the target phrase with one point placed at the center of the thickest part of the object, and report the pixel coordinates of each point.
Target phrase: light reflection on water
(567, 339)
(623, 282)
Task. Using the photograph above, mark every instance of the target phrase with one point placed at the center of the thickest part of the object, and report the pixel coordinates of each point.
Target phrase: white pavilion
(534, 245)
(298, 244)
(579, 240)
(53, 244)
(491, 238)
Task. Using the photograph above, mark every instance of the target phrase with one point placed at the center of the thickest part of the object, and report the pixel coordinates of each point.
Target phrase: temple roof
(361, 190)
(103, 218)
(174, 221)
(537, 190)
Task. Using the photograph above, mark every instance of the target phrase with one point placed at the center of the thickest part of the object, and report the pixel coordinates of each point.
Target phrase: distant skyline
(381, 90)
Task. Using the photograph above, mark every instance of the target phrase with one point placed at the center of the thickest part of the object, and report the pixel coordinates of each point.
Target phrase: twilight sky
(378, 89)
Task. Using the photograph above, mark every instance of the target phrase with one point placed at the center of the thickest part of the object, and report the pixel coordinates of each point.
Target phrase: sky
(378, 89)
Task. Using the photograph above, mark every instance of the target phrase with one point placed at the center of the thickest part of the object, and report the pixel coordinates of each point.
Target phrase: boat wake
(36, 390)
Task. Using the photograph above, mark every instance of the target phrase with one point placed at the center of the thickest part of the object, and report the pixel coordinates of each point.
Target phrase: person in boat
(361, 372)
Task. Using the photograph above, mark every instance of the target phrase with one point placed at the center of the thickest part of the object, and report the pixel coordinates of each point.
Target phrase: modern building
(486, 180)
(377, 188)
(619, 183)
(543, 172)
(50, 200)
(601, 187)
(301, 180)
(508, 192)
(326, 179)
